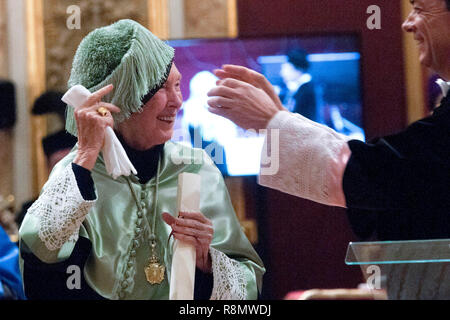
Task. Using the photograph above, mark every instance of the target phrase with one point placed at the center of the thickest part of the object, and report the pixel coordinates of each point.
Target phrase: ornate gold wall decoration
(232, 27)
(36, 85)
(5, 135)
(3, 41)
(62, 42)
(158, 18)
(209, 19)
(6, 162)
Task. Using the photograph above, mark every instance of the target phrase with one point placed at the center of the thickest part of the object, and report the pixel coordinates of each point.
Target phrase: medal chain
(153, 242)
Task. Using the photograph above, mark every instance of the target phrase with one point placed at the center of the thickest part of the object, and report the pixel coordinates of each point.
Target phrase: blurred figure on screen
(300, 94)
(206, 130)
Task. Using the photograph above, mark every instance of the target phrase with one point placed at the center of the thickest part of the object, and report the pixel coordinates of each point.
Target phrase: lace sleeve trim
(311, 159)
(229, 278)
(61, 210)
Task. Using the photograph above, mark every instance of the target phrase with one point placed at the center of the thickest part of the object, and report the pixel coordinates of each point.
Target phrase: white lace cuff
(60, 209)
(311, 159)
(229, 278)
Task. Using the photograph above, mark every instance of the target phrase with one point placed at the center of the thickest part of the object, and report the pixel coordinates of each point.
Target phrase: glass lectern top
(395, 252)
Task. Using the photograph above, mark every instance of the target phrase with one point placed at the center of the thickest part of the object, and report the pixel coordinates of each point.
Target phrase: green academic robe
(119, 233)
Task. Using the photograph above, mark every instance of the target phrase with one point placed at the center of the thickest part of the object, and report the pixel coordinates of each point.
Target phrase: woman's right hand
(91, 126)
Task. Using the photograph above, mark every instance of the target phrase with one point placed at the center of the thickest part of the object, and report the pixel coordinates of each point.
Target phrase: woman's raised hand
(92, 119)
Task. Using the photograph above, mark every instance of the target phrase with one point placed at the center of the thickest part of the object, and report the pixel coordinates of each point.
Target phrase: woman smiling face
(154, 125)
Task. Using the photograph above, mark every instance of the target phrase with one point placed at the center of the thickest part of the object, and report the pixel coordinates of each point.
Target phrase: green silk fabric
(120, 236)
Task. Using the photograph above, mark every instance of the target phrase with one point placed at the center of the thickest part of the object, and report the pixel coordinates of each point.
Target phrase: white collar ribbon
(445, 86)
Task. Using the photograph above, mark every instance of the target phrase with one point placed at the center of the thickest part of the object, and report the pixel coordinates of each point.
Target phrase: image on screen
(315, 76)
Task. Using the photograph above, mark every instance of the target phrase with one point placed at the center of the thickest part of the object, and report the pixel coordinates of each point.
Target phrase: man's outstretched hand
(244, 96)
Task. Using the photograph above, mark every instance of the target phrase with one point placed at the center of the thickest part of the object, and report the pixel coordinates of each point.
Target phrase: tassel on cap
(126, 55)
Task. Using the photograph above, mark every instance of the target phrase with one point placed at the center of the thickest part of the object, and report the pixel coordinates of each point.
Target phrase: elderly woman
(111, 229)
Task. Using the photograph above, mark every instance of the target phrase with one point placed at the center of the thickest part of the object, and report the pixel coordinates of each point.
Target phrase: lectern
(406, 270)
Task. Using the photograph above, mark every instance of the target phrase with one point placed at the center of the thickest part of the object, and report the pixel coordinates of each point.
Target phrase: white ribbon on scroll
(182, 276)
(116, 160)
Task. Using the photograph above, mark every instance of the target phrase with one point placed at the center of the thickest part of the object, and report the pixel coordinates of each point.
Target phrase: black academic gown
(397, 187)
(305, 101)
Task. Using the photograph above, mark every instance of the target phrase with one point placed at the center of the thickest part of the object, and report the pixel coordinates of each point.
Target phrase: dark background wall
(303, 244)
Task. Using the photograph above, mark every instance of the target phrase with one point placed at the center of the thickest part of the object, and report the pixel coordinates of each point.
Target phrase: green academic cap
(126, 55)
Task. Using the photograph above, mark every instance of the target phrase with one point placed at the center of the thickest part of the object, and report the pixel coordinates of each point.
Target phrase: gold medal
(154, 272)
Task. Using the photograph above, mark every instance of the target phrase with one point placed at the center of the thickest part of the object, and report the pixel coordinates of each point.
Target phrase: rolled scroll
(116, 160)
(182, 276)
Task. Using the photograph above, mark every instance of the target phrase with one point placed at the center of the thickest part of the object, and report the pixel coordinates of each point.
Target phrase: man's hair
(299, 59)
(448, 4)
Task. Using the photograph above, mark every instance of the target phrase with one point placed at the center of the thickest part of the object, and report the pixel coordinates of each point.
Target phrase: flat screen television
(316, 76)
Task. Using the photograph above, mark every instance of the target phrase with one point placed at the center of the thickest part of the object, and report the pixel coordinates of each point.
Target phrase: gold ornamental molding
(35, 86)
(158, 18)
(3, 41)
(210, 19)
(5, 135)
(62, 42)
(232, 19)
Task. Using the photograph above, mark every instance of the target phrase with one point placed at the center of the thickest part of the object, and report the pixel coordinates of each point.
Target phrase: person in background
(300, 95)
(57, 143)
(11, 287)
